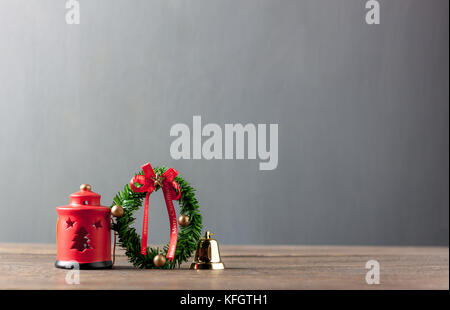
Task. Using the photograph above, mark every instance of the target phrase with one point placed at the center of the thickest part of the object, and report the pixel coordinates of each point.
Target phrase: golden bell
(207, 255)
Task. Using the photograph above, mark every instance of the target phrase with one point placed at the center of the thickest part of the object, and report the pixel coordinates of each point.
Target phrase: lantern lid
(85, 197)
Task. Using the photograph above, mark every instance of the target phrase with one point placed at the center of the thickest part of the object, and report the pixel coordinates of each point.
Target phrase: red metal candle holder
(83, 232)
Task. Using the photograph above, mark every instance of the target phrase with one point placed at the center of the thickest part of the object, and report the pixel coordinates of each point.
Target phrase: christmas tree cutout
(81, 241)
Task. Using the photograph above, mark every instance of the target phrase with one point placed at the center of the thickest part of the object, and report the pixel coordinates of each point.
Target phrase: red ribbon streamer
(171, 191)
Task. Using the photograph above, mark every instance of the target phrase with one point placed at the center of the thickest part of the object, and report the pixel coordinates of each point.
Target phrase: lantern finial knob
(85, 187)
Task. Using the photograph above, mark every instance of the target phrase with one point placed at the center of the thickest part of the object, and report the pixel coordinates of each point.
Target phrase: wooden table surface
(31, 266)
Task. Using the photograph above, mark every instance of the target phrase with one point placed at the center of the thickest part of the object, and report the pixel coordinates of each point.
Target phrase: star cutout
(98, 224)
(69, 223)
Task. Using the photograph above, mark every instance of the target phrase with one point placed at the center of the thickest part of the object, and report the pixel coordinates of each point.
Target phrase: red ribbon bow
(171, 191)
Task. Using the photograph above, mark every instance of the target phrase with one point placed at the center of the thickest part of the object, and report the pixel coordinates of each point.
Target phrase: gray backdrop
(362, 113)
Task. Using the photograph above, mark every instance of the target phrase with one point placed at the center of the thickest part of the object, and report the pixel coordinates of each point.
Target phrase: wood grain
(30, 266)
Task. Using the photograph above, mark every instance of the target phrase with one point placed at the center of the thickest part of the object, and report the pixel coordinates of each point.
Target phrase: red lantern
(83, 232)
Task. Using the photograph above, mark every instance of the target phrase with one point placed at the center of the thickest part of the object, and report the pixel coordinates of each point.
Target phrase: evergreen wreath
(130, 240)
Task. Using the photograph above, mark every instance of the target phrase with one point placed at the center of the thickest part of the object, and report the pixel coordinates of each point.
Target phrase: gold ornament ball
(117, 211)
(85, 187)
(183, 220)
(159, 260)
